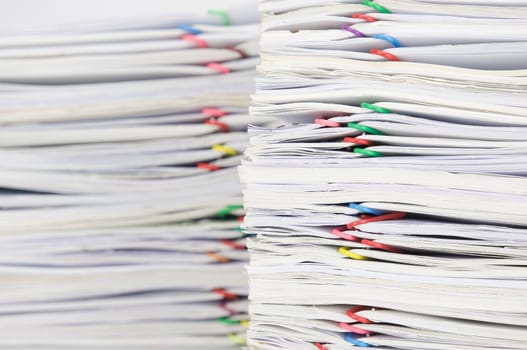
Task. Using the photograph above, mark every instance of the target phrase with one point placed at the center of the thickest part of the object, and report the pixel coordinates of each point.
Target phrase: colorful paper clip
(208, 166)
(364, 17)
(354, 329)
(225, 295)
(325, 122)
(341, 234)
(352, 313)
(347, 253)
(226, 211)
(189, 29)
(387, 38)
(320, 346)
(350, 338)
(236, 339)
(374, 108)
(219, 67)
(379, 245)
(224, 16)
(196, 40)
(385, 54)
(368, 152)
(233, 244)
(364, 128)
(366, 210)
(354, 31)
(221, 125)
(240, 52)
(213, 112)
(389, 216)
(225, 149)
(219, 258)
(357, 141)
(375, 6)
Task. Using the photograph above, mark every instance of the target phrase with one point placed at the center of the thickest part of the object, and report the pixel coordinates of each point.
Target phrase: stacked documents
(119, 200)
(391, 211)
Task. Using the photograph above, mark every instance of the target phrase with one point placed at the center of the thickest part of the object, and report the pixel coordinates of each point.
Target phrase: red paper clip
(219, 67)
(357, 141)
(364, 17)
(225, 294)
(222, 126)
(326, 122)
(213, 112)
(225, 307)
(345, 236)
(320, 346)
(242, 53)
(389, 216)
(208, 166)
(354, 329)
(233, 244)
(385, 54)
(352, 313)
(379, 245)
(196, 40)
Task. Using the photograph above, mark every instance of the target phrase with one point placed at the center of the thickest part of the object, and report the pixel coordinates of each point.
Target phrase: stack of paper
(119, 200)
(391, 212)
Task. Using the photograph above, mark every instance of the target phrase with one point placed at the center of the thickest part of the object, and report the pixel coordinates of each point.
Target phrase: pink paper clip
(219, 67)
(389, 216)
(213, 112)
(326, 122)
(354, 329)
(196, 40)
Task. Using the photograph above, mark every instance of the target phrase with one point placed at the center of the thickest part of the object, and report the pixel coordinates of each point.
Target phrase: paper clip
(224, 16)
(225, 149)
(351, 339)
(387, 38)
(196, 40)
(213, 112)
(225, 307)
(379, 245)
(374, 108)
(218, 258)
(208, 166)
(236, 339)
(345, 236)
(219, 67)
(368, 152)
(189, 29)
(320, 346)
(222, 126)
(242, 53)
(375, 6)
(354, 31)
(227, 320)
(366, 210)
(325, 122)
(385, 54)
(233, 244)
(347, 253)
(226, 211)
(354, 329)
(224, 294)
(366, 129)
(384, 217)
(364, 17)
(352, 313)
(357, 141)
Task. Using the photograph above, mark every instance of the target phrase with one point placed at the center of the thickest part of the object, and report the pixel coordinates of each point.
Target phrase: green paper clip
(222, 213)
(375, 108)
(368, 152)
(365, 128)
(228, 320)
(376, 6)
(224, 16)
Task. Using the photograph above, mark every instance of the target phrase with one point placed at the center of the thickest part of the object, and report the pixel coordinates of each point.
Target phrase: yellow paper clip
(236, 339)
(225, 149)
(344, 251)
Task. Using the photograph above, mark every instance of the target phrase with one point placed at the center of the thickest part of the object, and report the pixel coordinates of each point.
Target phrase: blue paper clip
(350, 339)
(387, 38)
(366, 210)
(189, 29)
